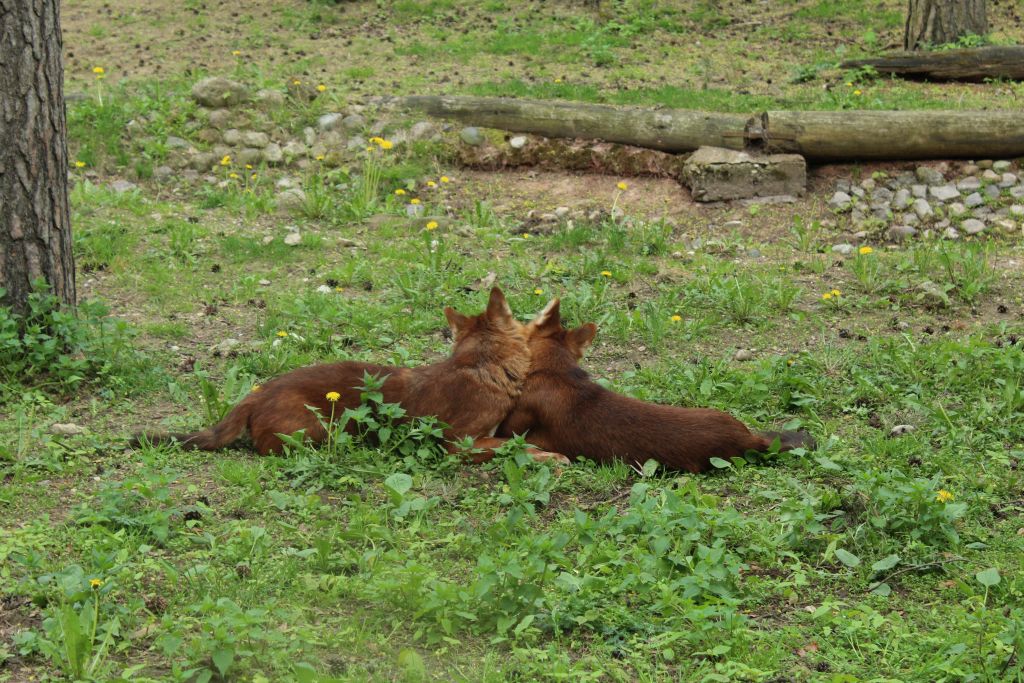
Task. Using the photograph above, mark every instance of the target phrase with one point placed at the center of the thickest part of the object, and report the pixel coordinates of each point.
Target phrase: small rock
(324, 289)
(1008, 180)
(518, 142)
(900, 430)
(291, 199)
(219, 92)
(293, 238)
(985, 164)
(944, 193)
(923, 209)
(991, 191)
(840, 201)
(561, 212)
(294, 148)
(548, 218)
(264, 282)
(202, 161)
(414, 210)
(272, 153)
(225, 345)
(1006, 225)
(1017, 192)
(286, 183)
(919, 191)
(353, 122)
(951, 234)
(220, 119)
(422, 130)
(858, 192)
(122, 186)
(868, 184)
(970, 169)
(901, 199)
(177, 143)
(329, 122)
(1017, 211)
(972, 226)
(929, 176)
(66, 429)
(471, 135)
(990, 176)
(269, 99)
(973, 200)
(163, 172)
(842, 249)
(898, 233)
(909, 219)
(956, 209)
(1001, 166)
(743, 355)
(232, 136)
(249, 155)
(254, 138)
(351, 244)
(969, 184)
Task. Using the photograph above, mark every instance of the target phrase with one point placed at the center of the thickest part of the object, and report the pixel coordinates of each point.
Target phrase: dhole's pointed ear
(497, 306)
(456, 321)
(550, 316)
(579, 339)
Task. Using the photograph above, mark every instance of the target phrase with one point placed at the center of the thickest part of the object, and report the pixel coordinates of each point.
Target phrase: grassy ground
(872, 558)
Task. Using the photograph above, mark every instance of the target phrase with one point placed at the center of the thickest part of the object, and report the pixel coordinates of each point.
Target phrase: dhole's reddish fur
(560, 409)
(471, 391)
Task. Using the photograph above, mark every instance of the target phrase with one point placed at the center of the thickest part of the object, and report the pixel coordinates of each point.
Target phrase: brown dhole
(560, 409)
(471, 391)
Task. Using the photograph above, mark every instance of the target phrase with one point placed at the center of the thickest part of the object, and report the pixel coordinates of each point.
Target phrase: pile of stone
(984, 197)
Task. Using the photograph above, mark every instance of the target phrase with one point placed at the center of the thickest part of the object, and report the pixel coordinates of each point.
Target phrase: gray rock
(929, 176)
(919, 191)
(842, 249)
(1001, 166)
(743, 355)
(518, 142)
(122, 186)
(909, 219)
(355, 144)
(203, 161)
(716, 174)
(254, 138)
(353, 122)
(1006, 225)
(944, 193)
(422, 130)
(293, 239)
(956, 209)
(272, 153)
(868, 184)
(923, 209)
(286, 183)
(858, 192)
(1017, 192)
(990, 176)
(225, 345)
(163, 172)
(900, 430)
(1008, 180)
(973, 200)
(232, 136)
(1017, 211)
(951, 234)
(969, 184)
(249, 155)
(329, 122)
(898, 233)
(219, 92)
(414, 210)
(561, 212)
(843, 186)
(943, 224)
(294, 148)
(972, 226)
(991, 191)
(66, 429)
(177, 143)
(883, 193)
(269, 99)
(970, 169)
(309, 135)
(220, 119)
(291, 199)
(471, 135)
(840, 201)
(901, 199)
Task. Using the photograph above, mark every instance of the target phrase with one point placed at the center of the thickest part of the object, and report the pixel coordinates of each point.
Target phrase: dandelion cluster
(943, 496)
(834, 294)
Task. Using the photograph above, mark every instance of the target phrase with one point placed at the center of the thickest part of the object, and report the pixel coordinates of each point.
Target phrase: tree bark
(35, 223)
(938, 22)
(817, 135)
(973, 64)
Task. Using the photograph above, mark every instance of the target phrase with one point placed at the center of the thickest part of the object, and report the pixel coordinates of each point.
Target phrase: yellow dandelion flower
(558, 80)
(225, 160)
(332, 396)
(790, 362)
(255, 387)
(445, 179)
(252, 177)
(836, 292)
(95, 583)
(236, 52)
(857, 92)
(399, 192)
(376, 140)
(943, 496)
(98, 70)
(79, 164)
(370, 149)
(282, 333)
(864, 251)
(538, 291)
(622, 185)
(431, 183)
(386, 144)
(296, 82)
(414, 200)
(321, 88)
(606, 273)
(432, 225)
(826, 296)
(849, 84)
(233, 176)
(677, 318)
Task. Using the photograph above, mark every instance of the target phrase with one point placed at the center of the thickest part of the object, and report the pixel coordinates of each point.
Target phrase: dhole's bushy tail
(219, 435)
(791, 439)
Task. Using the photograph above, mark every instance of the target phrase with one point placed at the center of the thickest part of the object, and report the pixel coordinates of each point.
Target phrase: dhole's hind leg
(490, 443)
(265, 428)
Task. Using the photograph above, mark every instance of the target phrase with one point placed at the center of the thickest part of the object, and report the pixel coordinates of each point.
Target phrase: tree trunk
(938, 22)
(35, 224)
(972, 64)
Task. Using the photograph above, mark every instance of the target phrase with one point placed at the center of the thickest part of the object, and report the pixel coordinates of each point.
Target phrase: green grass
(871, 558)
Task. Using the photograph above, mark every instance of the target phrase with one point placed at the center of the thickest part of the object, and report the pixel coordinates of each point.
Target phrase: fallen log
(668, 130)
(970, 64)
(817, 135)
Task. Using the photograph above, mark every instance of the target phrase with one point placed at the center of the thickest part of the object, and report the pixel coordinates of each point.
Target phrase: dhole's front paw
(548, 456)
